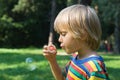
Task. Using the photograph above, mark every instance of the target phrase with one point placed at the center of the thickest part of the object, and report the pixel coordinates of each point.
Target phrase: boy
(80, 35)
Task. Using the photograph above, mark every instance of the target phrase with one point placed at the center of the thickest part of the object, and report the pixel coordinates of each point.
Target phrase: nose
(60, 38)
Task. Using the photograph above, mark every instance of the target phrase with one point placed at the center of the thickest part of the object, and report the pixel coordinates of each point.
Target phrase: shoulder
(94, 65)
(96, 69)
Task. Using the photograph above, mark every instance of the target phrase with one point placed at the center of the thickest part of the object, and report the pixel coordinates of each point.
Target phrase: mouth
(61, 45)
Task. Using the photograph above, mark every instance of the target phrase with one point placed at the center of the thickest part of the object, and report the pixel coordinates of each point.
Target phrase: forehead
(62, 28)
(61, 24)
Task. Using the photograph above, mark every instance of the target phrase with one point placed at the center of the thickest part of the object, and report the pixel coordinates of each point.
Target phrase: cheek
(70, 46)
(68, 42)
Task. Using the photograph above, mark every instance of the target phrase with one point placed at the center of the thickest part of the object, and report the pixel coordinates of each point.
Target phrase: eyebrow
(62, 31)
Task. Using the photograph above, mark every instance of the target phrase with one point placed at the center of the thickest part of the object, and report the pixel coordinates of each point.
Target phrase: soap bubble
(32, 67)
(29, 60)
(30, 64)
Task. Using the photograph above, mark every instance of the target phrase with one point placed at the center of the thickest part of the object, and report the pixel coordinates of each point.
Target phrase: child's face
(68, 42)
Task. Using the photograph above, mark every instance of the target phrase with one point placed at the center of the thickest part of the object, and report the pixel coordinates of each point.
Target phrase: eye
(63, 34)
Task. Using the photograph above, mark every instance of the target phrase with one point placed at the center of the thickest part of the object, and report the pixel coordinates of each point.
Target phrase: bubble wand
(50, 39)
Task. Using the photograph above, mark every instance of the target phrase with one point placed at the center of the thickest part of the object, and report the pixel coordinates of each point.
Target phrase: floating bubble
(32, 67)
(30, 64)
(29, 60)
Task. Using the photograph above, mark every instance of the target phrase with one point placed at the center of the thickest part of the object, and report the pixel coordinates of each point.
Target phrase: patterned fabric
(91, 68)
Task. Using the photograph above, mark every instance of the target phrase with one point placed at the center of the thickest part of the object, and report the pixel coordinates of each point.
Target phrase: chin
(69, 52)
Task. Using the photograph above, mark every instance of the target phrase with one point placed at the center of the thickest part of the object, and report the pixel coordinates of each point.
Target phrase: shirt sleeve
(97, 70)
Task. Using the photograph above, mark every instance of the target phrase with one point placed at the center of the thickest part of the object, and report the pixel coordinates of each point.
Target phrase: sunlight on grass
(21, 51)
(112, 61)
(13, 64)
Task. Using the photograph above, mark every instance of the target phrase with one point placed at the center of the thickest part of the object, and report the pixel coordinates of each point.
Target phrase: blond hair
(80, 20)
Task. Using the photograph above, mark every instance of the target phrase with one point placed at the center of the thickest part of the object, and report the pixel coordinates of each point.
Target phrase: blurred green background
(25, 27)
(30, 64)
(27, 23)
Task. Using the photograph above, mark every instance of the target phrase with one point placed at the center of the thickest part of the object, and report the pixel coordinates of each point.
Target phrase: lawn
(30, 64)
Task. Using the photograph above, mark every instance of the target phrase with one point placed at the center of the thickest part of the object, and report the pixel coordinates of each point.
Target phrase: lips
(61, 45)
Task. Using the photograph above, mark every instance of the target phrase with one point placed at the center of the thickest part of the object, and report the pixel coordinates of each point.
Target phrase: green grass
(113, 65)
(13, 64)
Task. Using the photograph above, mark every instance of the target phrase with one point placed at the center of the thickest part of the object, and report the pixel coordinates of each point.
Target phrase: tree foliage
(25, 22)
(109, 12)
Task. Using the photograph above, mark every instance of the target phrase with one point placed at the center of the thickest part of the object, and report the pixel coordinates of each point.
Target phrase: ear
(84, 36)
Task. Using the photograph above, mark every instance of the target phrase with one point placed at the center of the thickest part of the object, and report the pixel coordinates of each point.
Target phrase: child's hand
(49, 51)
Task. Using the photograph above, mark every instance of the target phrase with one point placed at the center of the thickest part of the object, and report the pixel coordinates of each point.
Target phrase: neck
(86, 52)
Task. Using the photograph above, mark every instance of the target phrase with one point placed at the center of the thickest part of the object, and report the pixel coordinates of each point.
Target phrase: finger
(46, 54)
(45, 47)
(45, 51)
(52, 48)
(52, 51)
